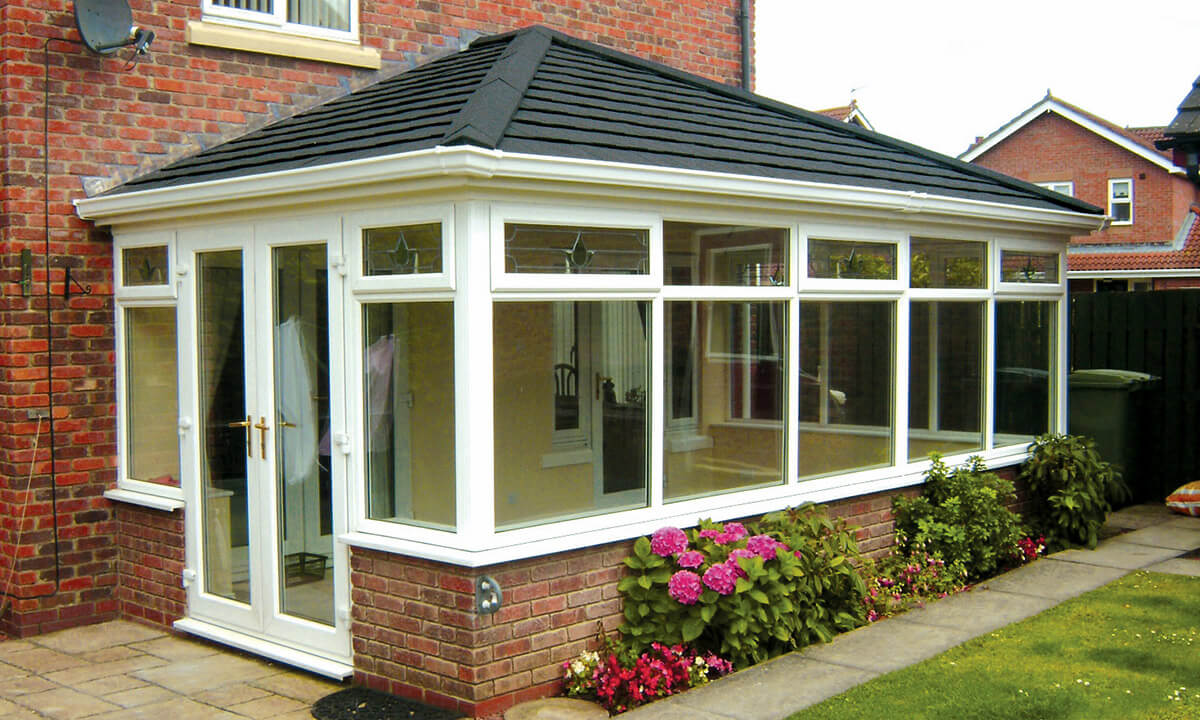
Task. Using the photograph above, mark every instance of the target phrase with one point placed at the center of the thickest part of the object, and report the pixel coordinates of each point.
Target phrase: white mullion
(657, 399)
(1061, 400)
(791, 418)
(900, 379)
(474, 397)
(933, 390)
(989, 374)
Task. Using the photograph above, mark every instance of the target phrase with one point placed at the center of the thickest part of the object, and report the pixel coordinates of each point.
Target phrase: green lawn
(1129, 650)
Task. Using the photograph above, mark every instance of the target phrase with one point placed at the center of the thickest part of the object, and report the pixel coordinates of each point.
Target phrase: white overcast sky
(938, 73)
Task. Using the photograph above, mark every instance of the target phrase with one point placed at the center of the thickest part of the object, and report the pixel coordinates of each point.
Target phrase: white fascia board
(1171, 273)
(1087, 123)
(470, 163)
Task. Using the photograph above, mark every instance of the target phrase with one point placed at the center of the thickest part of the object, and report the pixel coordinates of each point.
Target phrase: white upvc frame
(1022, 245)
(851, 233)
(353, 225)
(168, 289)
(1062, 187)
(277, 20)
(1114, 200)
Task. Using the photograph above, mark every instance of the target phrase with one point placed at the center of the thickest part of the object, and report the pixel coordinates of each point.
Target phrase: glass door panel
(302, 420)
(225, 442)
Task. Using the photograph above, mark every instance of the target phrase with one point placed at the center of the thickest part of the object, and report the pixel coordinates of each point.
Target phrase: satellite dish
(105, 25)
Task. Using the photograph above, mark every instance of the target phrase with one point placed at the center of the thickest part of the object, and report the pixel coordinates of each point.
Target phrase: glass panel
(846, 386)
(585, 250)
(702, 254)
(1025, 353)
(333, 14)
(144, 266)
(302, 448)
(408, 357)
(948, 264)
(1028, 267)
(403, 250)
(727, 365)
(851, 260)
(542, 474)
(255, 5)
(225, 427)
(945, 383)
(151, 395)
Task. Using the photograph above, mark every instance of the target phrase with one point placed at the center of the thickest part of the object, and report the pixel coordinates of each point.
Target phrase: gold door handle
(262, 428)
(286, 424)
(245, 424)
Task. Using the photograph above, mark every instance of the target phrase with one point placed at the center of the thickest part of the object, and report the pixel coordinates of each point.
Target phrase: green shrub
(961, 516)
(903, 580)
(1071, 489)
(747, 594)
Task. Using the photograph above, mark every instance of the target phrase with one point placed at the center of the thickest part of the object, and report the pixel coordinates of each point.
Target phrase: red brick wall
(1052, 148)
(1176, 283)
(150, 564)
(108, 123)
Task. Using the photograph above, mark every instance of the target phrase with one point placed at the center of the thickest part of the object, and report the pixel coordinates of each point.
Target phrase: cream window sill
(158, 502)
(277, 43)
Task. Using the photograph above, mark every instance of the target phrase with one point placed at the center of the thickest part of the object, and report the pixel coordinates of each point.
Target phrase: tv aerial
(106, 26)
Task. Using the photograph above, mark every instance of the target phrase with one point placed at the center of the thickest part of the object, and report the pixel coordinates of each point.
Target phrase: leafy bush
(903, 580)
(961, 515)
(1070, 488)
(619, 681)
(744, 594)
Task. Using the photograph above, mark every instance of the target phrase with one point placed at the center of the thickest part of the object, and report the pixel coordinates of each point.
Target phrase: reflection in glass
(570, 249)
(948, 264)
(1025, 353)
(543, 473)
(846, 381)
(224, 427)
(403, 250)
(408, 363)
(144, 266)
(1028, 267)
(704, 254)
(851, 260)
(151, 395)
(301, 424)
(727, 367)
(945, 388)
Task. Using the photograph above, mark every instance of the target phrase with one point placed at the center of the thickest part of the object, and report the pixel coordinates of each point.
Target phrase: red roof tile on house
(1186, 257)
(837, 113)
(1148, 135)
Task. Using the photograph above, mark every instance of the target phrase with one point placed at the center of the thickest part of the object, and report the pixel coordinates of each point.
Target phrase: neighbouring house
(1182, 136)
(384, 388)
(851, 113)
(1152, 240)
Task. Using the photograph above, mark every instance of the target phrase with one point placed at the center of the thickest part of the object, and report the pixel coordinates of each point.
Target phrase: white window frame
(277, 21)
(1003, 288)
(353, 225)
(1113, 200)
(168, 289)
(851, 233)
(1062, 187)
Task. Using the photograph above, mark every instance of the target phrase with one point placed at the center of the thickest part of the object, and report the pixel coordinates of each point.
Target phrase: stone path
(124, 671)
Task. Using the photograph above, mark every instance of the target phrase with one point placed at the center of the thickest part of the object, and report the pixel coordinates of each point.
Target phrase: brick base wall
(150, 564)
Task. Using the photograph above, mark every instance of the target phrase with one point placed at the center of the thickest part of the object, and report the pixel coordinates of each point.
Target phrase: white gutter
(469, 162)
(1101, 274)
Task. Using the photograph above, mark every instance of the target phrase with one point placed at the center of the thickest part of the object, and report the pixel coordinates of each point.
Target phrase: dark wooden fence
(1157, 333)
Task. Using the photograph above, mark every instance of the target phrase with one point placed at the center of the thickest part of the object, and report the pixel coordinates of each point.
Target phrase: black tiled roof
(540, 92)
(1187, 122)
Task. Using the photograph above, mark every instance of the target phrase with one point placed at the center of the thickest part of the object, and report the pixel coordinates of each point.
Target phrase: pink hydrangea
(737, 570)
(765, 546)
(733, 532)
(685, 587)
(691, 559)
(720, 578)
(710, 534)
(668, 541)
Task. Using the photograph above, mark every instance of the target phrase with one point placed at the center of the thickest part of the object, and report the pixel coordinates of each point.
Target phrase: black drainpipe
(746, 45)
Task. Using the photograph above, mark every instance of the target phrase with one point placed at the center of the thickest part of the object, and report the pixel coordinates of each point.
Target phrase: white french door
(262, 367)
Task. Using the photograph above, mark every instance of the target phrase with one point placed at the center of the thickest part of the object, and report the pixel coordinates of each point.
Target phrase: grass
(1130, 649)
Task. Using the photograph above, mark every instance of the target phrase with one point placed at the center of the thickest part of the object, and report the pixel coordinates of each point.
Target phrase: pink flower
(691, 559)
(710, 534)
(765, 546)
(733, 532)
(732, 562)
(685, 587)
(668, 541)
(720, 578)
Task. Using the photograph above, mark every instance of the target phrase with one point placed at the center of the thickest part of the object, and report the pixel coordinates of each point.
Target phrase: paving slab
(25, 685)
(1053, 578)
(43, 660)
(1116, 554)
(1178, 566)
(64, 704)
(1164, 536)
(1182, 521)
(193, 676)
(175, 648)
(230, 695)
(95, 637)
(299, 686)
(558, 708)
(886, 646)
(92, 671)
(107, 685)
(176, 708)
(267, 707)
(140, 696)
(775, 689)
(1139, 516)
(978, 611)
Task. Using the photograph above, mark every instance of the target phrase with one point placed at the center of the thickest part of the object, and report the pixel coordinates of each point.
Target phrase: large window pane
(700, 254)
(1025, 353)
(151, 395)
(846, 386)
(582, 250)
(408, 361)
(727, 369)
(571, 382)
(945, 386)
(947, 264)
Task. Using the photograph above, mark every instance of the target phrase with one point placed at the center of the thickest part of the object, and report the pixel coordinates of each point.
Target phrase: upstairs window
(1063, 188)
(1120, 201)
(335, 16)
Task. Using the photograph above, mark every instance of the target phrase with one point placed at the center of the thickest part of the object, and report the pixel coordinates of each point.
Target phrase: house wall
(1054, 149)
(108, 123)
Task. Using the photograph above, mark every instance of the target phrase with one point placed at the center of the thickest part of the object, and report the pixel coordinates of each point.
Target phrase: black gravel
(364, 704)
